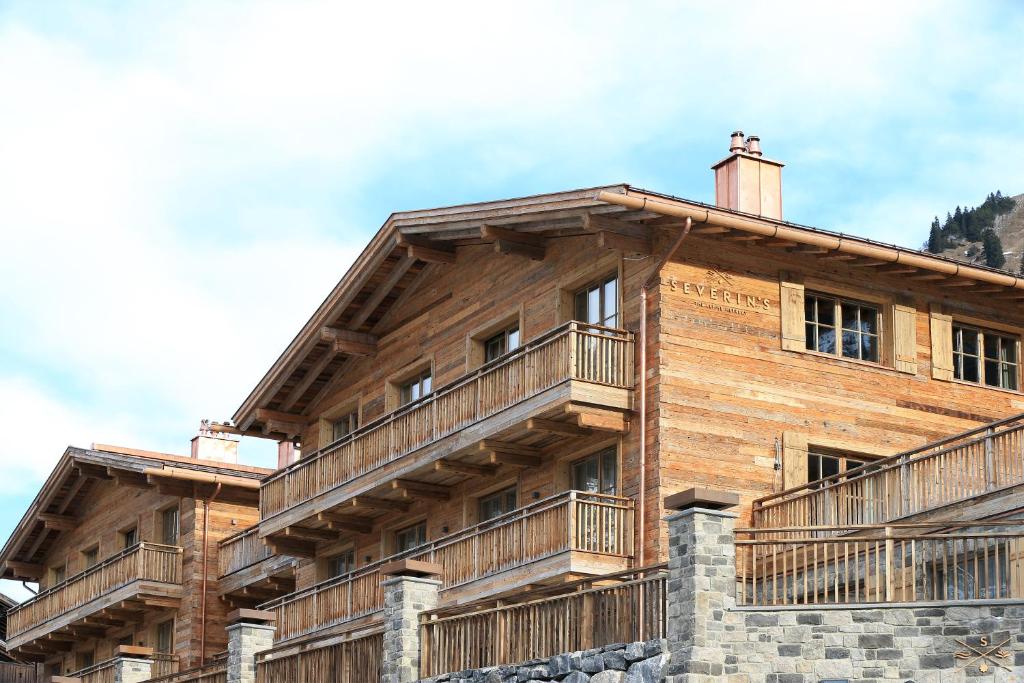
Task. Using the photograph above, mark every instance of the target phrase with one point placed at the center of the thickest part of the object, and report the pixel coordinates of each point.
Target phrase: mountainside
(985, 235)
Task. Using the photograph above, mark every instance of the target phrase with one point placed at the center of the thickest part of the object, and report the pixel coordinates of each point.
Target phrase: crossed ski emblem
(985, 655)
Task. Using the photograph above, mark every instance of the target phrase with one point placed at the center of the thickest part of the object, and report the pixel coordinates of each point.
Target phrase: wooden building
(124, 547)
(510, 389)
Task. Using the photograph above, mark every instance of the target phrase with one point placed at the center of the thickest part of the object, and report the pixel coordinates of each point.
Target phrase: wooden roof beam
(465, 468)
(128, 478)
(897, 269)
(624, 243)
(492, 233)
(779, 244)
(588, 417)
(740, 236)
(291, 546)
(92, 471)
(307, 534)
(514, 459)
(868, 263)
(25, 570)
(307, 380)
(929, 276)
(518, 249)
(376, 503)
(839, 256)
(337, 522)
(351, 343)
(421, 489)
(597, 223)
(506, 447)
(394, 277)
(959, 283)
(58, 522)
(422, 250)
(536, 424)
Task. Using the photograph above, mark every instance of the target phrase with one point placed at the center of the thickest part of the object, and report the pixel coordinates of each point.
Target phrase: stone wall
(711, 640)
(643, 662)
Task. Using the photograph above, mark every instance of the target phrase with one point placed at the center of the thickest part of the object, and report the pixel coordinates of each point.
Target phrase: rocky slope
(1009, 227)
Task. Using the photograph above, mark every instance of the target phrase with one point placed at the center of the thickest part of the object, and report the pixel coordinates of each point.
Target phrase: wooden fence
(615, 608)
(570, 521)
(12, 672)
(588, 353)
(242, 550)
(216, 671)
(144, 561)
(101, 672)
(357, 660)
(943, 472)
(164, 664)
(947, 562)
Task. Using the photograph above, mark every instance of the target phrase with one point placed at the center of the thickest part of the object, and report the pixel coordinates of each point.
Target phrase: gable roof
(403, 252)
(76, 474)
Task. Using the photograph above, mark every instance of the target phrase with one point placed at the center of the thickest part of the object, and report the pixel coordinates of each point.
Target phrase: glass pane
(851, 316)
(869, 320)
(992, 374)
(1009, 377)
(811, 337)
(826, 312)
(593, 306)
(809, 309)
(826, 340)
(970, 369)
(584, 476)
(813, 467)
(991, 346)
(851, 344)
(829, 466)
(513, 339)
(970, 342)
(853, 464)
(958, 341)
(581, 306)
(1009, 351)
(494, 347)
(426, 385)
(869, 348)
(609, 473)
(611, 303)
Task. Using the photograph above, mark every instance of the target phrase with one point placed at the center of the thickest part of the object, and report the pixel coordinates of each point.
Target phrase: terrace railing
(615, 608)
(215, 671)
(573, 351)
(943, 562)
(943, 472)
(141, 562)
(571, 521)
(242, 550)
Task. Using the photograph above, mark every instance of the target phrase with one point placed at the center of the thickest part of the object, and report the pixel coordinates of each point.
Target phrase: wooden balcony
(573, 533)
(249, 572)
(938, 478)
(573, 364)
(144, 577)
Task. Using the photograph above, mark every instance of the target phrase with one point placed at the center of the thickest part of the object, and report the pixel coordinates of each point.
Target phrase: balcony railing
(352, 660)
(141, 562)
(929, 561)
(242, 550)
(100, 672)
(572, 521)
(573, 351)
(215, 671)
(943, 472)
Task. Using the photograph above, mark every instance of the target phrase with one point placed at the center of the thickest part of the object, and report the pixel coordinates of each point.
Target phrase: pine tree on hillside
(993, 248)
(936, 242)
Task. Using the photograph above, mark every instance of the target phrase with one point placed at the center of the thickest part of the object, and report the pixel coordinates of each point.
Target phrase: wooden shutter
(904, 335)
(794, 459)
(942, 345)
(791, 310)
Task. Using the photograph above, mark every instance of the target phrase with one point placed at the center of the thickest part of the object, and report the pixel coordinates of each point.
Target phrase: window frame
(329, 569)
(981, 358)
(94, 552)
(505, 334)
(599, 455)
(351, 417)
(418, 379)
(399, 532)
(599, 284)
(163, 516)
(124, 534)
(157, 634)
(512, 490)
(843, 457)
(811, 341)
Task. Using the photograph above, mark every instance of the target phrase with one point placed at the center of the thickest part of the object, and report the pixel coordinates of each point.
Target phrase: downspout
(643, 384)
(206, 557)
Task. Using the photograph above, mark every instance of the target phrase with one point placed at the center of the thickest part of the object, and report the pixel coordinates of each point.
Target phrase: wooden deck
(145, 576)
(961, 468)
(574, 364)
(566, 535)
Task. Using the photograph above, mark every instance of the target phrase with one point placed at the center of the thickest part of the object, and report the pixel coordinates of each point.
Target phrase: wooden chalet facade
(510, 389)
(115, 541)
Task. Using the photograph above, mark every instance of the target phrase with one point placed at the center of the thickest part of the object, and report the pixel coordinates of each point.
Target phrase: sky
(181, 183)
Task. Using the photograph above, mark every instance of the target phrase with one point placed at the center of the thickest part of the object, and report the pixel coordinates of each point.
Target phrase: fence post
(990, 465)
(251, 632)
(701, 582)
(410, 588)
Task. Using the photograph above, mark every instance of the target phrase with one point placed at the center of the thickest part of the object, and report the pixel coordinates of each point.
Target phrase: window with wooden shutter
(904, 333)
(942, 345)
(791, 311)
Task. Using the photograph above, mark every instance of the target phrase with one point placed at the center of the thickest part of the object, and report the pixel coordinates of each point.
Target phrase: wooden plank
(370, 307)
(519, 249)
(624, 243)
(598, 223)
(419, 489)
(466, 468)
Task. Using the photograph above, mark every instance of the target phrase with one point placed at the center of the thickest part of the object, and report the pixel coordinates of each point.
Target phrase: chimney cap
(736, 143)
(754, 146)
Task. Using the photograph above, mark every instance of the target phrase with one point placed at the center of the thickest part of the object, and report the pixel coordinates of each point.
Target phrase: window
(169, 523)
(598, 303)
(90, 557)
(165, 637)
(985, 357)
(342, 564)
(821, 465)
(58, 574)
(501, 343)
(345, 425)
(415, 388)
(85, 659)
(410, 537)
(498, 504)
(598, 473)
(130, 537)
(842, 328)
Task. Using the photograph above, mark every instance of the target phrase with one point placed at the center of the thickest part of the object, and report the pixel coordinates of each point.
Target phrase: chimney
(746, 181)
(287, 453)
(216, 446)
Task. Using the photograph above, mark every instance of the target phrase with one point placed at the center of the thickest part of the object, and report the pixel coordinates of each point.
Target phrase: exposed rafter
(350, 343)
(370, 307)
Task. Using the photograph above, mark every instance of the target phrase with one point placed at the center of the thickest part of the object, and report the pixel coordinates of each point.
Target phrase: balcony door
(597, 473)
(598, 302)
(598, 527)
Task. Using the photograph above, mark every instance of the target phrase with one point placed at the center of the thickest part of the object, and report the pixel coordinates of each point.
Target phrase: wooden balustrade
(242, 550)
(616, 608)
(12, 672)
(216, 671)
(351, 661)
(946, 562)
(101, 672)
(164, 664)
(571, 521)
(141, 562)
(948, 471)
(573, 351)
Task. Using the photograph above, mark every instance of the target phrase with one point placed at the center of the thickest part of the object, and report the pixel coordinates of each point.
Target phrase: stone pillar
(251, 632)
(411, 589)
(701, 583)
